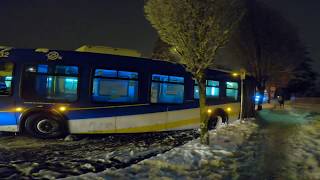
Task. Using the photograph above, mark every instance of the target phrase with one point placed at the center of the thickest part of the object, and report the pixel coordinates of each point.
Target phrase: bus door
(7, 103)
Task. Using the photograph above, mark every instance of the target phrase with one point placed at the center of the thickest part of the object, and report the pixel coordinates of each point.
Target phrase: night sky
(305, 15)
(68, 24)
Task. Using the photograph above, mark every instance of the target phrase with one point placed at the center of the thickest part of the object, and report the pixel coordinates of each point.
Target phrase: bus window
(6, 70)
(115, 86)
(232, 90)
(67, 70)
(212, 89)
(56, 83)
(167, 89)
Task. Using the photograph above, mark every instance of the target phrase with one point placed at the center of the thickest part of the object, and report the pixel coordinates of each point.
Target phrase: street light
(242, 77)
(235, 74)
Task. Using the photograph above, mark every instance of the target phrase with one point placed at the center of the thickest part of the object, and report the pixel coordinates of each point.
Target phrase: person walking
(281, 101)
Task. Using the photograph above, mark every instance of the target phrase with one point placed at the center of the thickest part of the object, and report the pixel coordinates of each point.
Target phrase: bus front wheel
(44, 125)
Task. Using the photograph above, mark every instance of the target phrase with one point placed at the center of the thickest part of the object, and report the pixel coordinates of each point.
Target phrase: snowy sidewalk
(191, 160)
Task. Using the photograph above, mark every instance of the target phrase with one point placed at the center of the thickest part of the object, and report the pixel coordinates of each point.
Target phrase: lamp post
(242, 77)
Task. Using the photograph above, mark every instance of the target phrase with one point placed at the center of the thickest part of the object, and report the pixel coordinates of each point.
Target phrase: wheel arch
(220, 112)
(23, 117)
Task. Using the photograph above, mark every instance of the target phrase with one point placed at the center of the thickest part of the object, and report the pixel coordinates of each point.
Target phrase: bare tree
(162, 51)
(268, 45)
(196, 30)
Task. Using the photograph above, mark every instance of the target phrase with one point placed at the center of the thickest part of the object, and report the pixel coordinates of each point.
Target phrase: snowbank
(192, 160)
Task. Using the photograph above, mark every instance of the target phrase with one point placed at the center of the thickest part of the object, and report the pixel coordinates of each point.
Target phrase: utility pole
(242, 77)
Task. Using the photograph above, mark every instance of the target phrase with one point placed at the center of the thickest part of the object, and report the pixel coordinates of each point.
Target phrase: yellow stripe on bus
(105, 107)
(150, 128)
(176, 124)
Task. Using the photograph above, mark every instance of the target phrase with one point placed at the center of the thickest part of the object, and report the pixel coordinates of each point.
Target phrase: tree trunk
(204, 135)
(248, 102)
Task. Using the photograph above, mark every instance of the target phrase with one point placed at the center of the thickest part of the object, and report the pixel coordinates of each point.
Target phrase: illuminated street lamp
(242, 77)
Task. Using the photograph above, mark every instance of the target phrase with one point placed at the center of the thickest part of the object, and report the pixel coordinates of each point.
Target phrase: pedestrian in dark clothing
(281, 101)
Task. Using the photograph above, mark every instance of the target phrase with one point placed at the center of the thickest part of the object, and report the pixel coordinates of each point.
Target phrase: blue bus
(49, 93)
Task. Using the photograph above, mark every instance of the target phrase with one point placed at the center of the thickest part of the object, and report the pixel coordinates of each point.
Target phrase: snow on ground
(192, 160)
(24, 157)
(281, 144)
(285, 144)
(288, 145)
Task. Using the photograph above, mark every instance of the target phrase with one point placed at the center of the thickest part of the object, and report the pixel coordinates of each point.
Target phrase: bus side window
(167, 89)
(212, 89)
(50, 83)
(6, 70)
(115, 86)
(232, 90)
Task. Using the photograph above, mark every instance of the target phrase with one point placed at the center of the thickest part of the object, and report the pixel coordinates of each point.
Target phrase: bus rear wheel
(44, 125)
(214, 121)
(217, 119)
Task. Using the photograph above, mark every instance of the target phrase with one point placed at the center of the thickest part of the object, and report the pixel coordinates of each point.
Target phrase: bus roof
(109, 50)
(68, 55)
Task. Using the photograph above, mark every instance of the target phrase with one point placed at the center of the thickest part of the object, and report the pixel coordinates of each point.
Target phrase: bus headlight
(209, 111)
(229, 109)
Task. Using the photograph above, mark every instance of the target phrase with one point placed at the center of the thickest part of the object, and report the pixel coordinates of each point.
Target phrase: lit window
(105, 73)
(42, 68)
(68, 70)
(232, 85)
(167, 89)
(6, 70)
(158, 77)
(232, 90)
(212, 89)
(56, 83)
(115, 86)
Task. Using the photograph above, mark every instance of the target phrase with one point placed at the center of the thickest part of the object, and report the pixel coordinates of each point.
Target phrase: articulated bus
(48, 93)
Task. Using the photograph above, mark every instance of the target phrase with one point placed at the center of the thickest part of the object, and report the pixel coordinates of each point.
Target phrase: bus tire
(44, 125)
(213, 122)
(220, 116)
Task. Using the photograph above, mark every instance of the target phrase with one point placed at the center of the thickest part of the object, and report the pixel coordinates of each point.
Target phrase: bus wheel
(43, 125)
(214, 122)
(217, 119)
